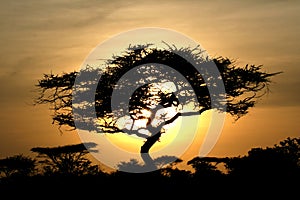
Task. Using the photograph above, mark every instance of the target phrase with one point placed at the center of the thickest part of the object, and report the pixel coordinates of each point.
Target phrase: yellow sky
(42, 36)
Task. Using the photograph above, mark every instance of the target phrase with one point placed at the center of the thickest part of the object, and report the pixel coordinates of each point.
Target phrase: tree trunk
(150, 142)
(149, 163)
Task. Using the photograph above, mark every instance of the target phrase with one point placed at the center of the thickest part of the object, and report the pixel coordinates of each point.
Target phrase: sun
(145, 121)
(132, 143)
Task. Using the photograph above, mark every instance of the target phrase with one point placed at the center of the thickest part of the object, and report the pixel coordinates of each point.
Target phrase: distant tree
(205, 167)
(18, 165)
(290, 147)
(280, 161)
(66, 160)
(243, 86)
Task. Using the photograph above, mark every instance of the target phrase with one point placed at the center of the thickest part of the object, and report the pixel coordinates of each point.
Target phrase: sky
(38, 37)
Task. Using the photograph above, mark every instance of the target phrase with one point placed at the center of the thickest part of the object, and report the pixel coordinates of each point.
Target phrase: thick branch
(153, 139)
(185, 114)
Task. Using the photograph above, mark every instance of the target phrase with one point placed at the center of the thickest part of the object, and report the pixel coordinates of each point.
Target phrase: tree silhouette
(18, 165)
(280, 161)
(269, 171)
(158, 101)
(66, 160)
(205, 167)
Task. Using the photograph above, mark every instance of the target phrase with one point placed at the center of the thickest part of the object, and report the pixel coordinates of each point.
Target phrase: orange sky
(42, 36)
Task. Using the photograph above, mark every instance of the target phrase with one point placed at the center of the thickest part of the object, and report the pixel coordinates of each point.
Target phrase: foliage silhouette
(269, 171)
(244, 86)
(205, 167)
(279, 161)
(158, 163)
(66, 160)
(18, 165)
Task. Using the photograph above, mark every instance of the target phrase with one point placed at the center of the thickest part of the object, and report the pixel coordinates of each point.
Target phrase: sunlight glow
(130, 142)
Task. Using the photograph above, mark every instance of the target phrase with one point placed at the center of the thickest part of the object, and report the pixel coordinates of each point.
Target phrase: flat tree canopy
(69, 94)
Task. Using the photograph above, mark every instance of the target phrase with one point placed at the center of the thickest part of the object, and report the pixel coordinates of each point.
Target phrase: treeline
(68, 166)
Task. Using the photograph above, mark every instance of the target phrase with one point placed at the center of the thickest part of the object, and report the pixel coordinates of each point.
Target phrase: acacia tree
(206, 166)
(66, 160)
(75, 103)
